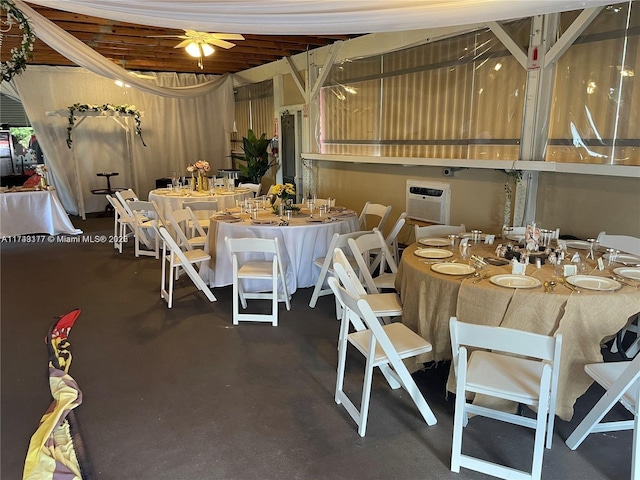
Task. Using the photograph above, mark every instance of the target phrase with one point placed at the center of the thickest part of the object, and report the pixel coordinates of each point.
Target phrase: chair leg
(342, 358)
(235, 298)
(170, 299)
(274, 296)
(459, 414)
(366, 396)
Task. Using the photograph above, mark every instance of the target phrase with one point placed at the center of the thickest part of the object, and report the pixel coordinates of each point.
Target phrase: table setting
(587, 299)
(303, 234)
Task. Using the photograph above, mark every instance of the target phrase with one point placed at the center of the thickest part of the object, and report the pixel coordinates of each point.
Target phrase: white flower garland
(107, 107)
(18, 62)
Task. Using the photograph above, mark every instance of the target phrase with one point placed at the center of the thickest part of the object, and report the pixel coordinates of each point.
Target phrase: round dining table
(301, 240)
(584, 319)
(169, 200)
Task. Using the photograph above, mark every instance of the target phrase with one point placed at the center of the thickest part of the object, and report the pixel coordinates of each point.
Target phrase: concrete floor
(182, 394)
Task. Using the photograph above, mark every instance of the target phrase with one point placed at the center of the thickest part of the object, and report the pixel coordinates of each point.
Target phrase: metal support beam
(296, 76)
(573, 32)
(326, 68)
(519, 54)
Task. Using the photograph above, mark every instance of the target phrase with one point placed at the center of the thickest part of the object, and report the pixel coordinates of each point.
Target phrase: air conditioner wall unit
(428, 201)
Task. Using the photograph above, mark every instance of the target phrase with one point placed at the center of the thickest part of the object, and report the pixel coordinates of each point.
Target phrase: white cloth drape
(177, 131)
(84, 56)
(311, 17)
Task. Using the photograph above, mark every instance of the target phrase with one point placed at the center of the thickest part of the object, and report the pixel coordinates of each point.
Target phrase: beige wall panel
(290, 92)
(477, 196)
(584, 205)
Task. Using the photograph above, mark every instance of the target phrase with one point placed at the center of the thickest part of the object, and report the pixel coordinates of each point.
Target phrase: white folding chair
(218, 182)
(383, 305)
(184, 224)
(392, 241)
(432, 231)
(126, 196)
(254, 187)
(174, 258)
(339, 240)
(144, 214)
(122, 228)
(383, 347)
(530, 378)
(363, 247)
(620, 381)
(251, 267)
(202, 209)
(624, 243)
(376, 210)
(132, 222)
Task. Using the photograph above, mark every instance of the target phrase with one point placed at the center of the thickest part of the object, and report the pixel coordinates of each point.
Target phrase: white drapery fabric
(84, 56)
(312, 17)
(177, 131)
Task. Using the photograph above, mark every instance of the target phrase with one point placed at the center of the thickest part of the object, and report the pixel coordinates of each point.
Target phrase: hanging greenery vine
(107, 107)
(19, 56)
(513, 176)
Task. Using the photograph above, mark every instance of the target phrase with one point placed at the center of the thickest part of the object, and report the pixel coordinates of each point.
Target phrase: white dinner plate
(263, 222)
(577, 244)
(625, 259)
(514, 281)
(590, 282)
(632, 273)
(453, 268)
(433, 253)
(434, 242)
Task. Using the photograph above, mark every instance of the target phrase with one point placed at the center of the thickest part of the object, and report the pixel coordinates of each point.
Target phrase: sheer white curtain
(177, 131)
(311, 17)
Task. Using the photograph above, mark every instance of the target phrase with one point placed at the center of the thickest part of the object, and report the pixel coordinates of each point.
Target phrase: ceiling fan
(199, 44)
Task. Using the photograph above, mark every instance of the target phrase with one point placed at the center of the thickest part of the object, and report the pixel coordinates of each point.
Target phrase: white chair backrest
(255, 245)
(125, 196)
(506, 340)
(179, 221)
(125, 215)
(430, 231)
(203, 209)
(254, 187)
(624, 243)
(347, 275)
(218, 182)
(146, 208)
(362, 248)
(377, 210)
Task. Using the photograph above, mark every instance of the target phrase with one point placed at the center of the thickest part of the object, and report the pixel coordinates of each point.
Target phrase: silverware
(481, 278)
(569, 286)
(623, 280)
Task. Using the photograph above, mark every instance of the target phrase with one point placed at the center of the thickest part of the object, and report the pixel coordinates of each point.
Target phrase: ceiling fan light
(193, 50)
(207, 49)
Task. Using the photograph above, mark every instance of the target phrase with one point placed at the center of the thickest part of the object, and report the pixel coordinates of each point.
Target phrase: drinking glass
(612, 256)
(464, 250)
(475, 235)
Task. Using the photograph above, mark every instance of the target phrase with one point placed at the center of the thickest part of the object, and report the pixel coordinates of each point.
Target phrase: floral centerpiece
(202, 168)
(283, 192)
(19, 55)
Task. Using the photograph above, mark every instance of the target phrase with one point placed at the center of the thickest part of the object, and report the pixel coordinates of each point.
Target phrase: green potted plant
(255, 156)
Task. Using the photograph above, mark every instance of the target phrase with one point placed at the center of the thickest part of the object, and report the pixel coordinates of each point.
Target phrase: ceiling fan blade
(228, 36)
(183, 43)
(167, 36)
(221, 43)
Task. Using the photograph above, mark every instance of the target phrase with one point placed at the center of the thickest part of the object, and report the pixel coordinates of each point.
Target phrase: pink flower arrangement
(201, 166)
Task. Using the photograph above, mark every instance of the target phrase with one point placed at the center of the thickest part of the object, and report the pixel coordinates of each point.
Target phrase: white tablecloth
(24, 213)
(172, 200)
(300, 243)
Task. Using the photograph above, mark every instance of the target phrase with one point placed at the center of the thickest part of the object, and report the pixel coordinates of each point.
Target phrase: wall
(584, 205)
(477, 196)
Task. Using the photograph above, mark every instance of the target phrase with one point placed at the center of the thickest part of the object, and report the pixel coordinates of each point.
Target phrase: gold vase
(203, 183)
(43, 183)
